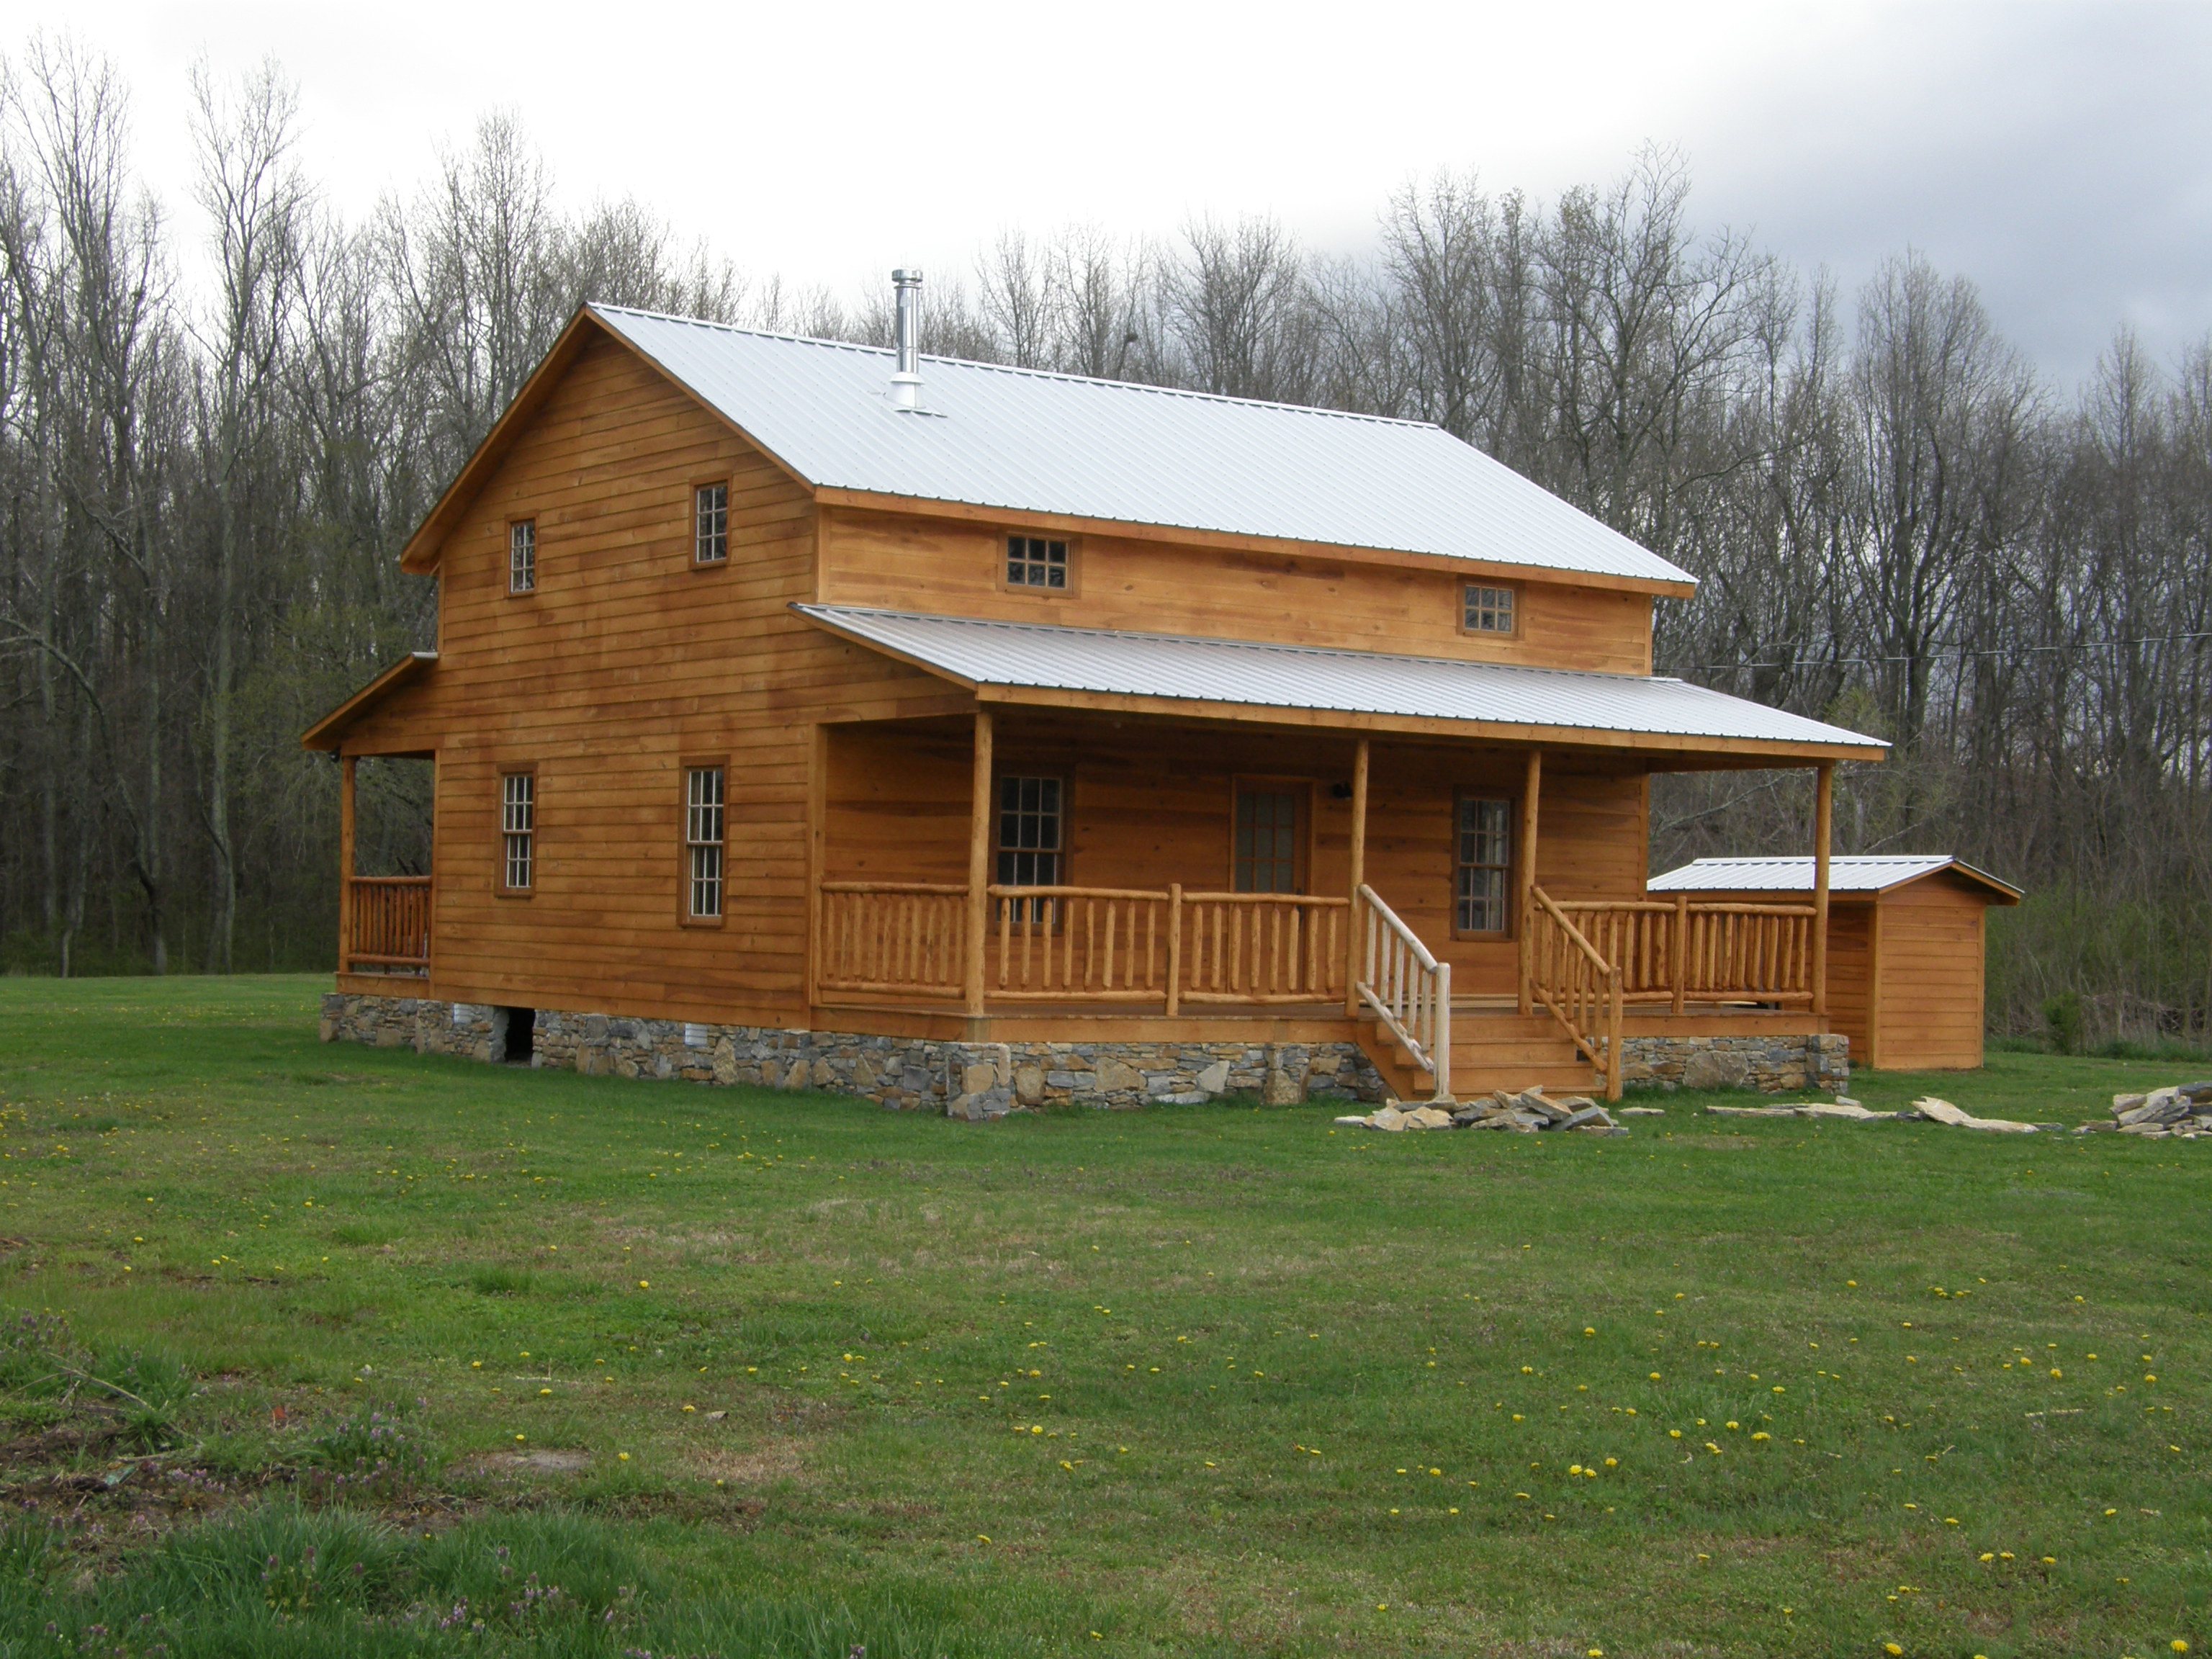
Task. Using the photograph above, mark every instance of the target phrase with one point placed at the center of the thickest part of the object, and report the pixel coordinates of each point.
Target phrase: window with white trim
(518, 823)
(703, 841)
(710, 523)
(522, 556)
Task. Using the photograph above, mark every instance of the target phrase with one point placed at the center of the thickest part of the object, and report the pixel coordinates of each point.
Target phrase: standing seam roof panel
(1173, 667)
(1024, 441)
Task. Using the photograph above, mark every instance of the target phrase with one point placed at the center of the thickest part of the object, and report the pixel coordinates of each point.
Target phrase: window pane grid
(1267, 842)
(702, 837)
(522, 556)
(1489, 610)
(1030, 844)
(518, 818)
(711, 536)
(1036, 561)
(1485, 861)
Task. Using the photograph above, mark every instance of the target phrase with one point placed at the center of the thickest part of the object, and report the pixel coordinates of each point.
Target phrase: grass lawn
(737, 1372)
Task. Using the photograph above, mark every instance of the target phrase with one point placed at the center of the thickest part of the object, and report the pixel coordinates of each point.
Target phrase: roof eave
(328, 734)
(829, 495)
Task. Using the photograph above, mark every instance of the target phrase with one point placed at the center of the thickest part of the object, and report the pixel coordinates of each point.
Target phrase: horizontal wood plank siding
(625, 659)
(1931, 976)
(901, 562)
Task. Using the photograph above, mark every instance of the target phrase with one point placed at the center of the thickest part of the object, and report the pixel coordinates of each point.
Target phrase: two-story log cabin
(959, 734)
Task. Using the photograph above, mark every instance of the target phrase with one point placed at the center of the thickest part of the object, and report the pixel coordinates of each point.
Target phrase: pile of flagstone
(2182, 1112)
(1530, 1111)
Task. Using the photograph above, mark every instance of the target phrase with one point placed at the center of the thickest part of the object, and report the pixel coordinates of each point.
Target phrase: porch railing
(1405, 987)
(1675, 951)
(1574, 982)
(388, 923)
(1052, 944)
(906, 938)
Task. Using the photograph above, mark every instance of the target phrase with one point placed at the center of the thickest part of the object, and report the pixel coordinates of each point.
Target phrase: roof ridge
(1028, 373)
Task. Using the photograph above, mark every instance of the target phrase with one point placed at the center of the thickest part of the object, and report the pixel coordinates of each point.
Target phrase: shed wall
(1929, 977)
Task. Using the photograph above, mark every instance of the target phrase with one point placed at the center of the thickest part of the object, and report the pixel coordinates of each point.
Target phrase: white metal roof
(1173, 669)
(1858, 873)
(1025, 440)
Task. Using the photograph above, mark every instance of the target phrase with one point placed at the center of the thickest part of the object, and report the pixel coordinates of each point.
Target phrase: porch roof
(1164, 674)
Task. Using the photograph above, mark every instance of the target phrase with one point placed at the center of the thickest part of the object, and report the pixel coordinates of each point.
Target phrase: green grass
(1206, 1380)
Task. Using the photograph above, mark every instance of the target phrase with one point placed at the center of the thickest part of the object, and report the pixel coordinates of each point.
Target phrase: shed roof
(1208, 676)
(1026, 440)
(1858, 874)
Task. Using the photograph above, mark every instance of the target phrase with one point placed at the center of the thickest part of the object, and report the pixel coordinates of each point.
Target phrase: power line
(1948, 656)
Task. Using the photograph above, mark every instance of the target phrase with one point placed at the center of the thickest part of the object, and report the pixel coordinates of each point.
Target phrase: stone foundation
(1771, 1064)
(973, 1080)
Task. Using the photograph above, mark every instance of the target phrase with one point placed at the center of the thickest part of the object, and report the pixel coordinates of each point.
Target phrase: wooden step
(1489, 1051)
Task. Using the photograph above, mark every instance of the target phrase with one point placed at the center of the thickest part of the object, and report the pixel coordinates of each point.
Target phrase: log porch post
(1824, 797)
(1352, 964)
(1524, 920)
(979, 864)
(346, 764)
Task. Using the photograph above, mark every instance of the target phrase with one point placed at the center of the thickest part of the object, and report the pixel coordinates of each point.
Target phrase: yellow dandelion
(624, 1456)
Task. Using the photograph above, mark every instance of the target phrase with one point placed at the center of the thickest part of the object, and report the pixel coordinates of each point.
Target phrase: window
(702, 842)
(1034, 562)
(710, 519)
(1030, 839)
(522, 556)
(1485, 864)
(1266, 840)
(1489, 610)
(518, 823)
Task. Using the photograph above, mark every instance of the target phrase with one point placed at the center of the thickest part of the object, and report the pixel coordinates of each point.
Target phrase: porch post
(1524, 921)
(979, 864)
(1351, 935)
(1823, 828)
(346, 763)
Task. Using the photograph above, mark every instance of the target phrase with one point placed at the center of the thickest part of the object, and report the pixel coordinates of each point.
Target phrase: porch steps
(1489, 1050)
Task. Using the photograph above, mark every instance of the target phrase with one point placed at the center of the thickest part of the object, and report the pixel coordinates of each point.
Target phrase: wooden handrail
(387, 923)
(1573, 981)
(1408, 988)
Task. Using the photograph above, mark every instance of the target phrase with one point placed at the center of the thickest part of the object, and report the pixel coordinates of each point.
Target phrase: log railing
(1406, 988)
(1675, 952)
(904, 938)
(1053, 944)
(388, 924)
(1576, 984)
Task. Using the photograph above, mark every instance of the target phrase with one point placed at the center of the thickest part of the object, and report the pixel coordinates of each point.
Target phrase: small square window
(1489, 610)
(522, 556)
(710, 516)
(1036, 562)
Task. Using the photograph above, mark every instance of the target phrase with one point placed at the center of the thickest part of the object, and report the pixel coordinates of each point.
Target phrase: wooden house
(790, 687)
(1907, 945)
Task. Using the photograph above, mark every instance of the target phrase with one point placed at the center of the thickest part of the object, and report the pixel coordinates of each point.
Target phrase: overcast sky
(2057, 154)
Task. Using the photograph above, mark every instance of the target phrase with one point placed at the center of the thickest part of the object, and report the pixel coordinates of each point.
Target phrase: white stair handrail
(1408, 988)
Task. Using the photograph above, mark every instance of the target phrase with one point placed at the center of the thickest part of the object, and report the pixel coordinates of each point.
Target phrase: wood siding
(1150, 802)
(625, 659)
(948, 567)
(1930, 976)
(1849, 931)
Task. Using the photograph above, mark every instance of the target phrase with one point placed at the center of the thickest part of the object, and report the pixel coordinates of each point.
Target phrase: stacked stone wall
(973, 1080)
(1771, 1064)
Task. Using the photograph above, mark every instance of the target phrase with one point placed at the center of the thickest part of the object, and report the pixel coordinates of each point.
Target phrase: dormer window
(1038, 562)
(1490, 610)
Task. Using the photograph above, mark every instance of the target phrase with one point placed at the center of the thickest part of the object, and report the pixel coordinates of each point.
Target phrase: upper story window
(1490, 610)
(1485, 864)
(522, 556)
(710, 522)
(1039, 562)
(518, 823)
(702, 842)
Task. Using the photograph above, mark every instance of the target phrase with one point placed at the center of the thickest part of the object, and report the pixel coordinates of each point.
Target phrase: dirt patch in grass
(763, 1465)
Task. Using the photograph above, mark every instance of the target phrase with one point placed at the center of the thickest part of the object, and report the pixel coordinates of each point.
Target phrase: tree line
(1898, 523)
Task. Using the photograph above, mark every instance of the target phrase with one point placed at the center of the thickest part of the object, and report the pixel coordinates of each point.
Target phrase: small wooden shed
(1906, 947)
